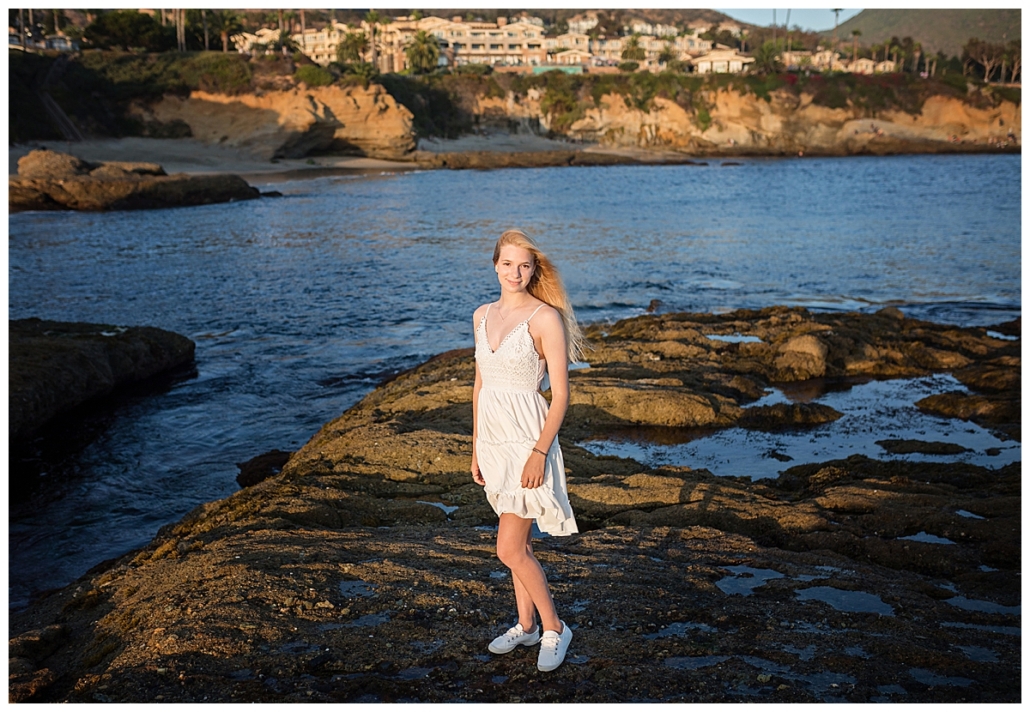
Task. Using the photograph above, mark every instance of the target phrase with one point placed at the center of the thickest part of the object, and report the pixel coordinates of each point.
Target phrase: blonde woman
(528, 331)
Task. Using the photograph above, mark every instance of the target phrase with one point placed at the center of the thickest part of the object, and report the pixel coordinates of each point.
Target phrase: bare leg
(523, 599)
(515, 552)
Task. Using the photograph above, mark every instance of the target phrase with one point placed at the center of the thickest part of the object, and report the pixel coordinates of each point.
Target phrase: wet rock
(786, 415)
(679, 560)
(1002, 413)
(260, 468)
(56, 366)
(803, 357)
(53, 181)
(906, 447)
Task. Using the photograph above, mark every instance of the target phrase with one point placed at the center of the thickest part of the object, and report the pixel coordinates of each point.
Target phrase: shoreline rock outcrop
(294, 123)
(854, 580)
(48, 180)
(56, 366)
(724, 122)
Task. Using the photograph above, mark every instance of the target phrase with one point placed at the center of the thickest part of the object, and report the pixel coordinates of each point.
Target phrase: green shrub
(314, 76)
(628, 66)
(479, 70)
(1013, 94)
(216, 72)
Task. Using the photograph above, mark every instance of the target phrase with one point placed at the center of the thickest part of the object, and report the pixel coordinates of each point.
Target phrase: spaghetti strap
(536, 310)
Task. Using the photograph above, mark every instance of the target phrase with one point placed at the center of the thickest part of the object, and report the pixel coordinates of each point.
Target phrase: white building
(581, 24)
(721, 61)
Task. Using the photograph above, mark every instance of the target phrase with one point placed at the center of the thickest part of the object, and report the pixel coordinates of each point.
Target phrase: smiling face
(515, 267)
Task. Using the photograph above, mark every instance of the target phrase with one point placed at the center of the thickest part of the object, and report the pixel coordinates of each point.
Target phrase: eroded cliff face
(294, 123)
(728, 121)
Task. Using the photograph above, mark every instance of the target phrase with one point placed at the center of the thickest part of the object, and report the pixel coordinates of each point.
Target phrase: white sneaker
(553, 647)
(514, 638)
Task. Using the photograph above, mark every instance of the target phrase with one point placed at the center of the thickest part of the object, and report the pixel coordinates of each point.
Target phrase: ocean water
(299, 305)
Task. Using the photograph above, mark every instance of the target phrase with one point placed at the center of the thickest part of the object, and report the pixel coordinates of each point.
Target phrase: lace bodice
(515, 365)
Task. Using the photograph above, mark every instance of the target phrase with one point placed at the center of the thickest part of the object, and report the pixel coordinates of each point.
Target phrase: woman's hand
(477, 476)
(533, 470)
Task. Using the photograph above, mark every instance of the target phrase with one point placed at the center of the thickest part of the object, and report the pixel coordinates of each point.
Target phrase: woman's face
(515, 268)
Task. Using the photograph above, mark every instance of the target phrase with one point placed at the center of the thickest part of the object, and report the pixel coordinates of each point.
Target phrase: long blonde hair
(546, 285)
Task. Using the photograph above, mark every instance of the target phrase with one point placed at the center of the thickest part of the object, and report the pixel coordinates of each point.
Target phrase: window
(534, 46)
(514, 46)
(495, 46)
(477, 46)
(458, 45)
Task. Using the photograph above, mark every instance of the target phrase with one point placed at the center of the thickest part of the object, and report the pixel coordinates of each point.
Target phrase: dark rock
(51, 164)
(1009, 328)
(892, 312)
(55, 366)
(260, 468)
(906, 447)
(134, 192)
(531, 159)
(48, 180)
(271, 194)
(37, 645)
(787, 415)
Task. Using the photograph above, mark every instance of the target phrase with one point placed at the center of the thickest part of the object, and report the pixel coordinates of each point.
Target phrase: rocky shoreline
(364, 570)
(48, 180)
(56, 366)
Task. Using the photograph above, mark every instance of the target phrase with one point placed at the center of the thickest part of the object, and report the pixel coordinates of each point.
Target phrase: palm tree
(836, 16)
(917, 52)
(668, 54)
(423, 53)
(372, 18)
(225, 23)
(855, 34)
(743, 40)
(633, 50)
(352, 48)
(766, 59)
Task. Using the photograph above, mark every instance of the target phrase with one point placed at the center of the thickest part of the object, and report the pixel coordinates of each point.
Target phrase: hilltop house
(721, 61)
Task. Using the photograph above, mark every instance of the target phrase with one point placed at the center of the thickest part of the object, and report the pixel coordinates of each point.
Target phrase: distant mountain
(943, 30)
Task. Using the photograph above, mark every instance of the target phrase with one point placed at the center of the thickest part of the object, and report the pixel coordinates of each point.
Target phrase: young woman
(515, 454)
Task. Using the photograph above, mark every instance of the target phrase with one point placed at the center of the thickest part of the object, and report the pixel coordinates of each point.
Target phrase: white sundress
(511, 413)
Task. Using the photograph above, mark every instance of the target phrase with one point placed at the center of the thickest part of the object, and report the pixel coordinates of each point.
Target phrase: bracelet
(540, 451)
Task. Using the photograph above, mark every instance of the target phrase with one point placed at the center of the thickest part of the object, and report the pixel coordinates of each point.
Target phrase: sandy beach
(191, 156)
(186, 155)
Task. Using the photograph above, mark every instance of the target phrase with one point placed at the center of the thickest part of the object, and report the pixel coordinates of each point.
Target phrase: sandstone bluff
(715, 121)
(343, 578)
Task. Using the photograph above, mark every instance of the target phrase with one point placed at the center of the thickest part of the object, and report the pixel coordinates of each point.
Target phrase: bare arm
(549, 338)
(477, 476)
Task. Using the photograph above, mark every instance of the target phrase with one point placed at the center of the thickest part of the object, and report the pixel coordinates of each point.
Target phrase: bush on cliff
(314, 76)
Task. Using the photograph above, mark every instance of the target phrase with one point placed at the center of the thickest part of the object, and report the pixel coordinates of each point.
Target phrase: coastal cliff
(712, 120)
(829, 583)
(292, 123)
(731, 119)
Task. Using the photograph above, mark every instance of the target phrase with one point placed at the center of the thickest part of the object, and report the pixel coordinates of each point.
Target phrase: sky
(806, 18)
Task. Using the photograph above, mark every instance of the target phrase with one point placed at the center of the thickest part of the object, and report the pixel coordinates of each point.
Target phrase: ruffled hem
(538, 503)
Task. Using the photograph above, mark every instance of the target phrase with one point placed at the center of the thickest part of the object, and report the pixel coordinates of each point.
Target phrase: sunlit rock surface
(854, 580)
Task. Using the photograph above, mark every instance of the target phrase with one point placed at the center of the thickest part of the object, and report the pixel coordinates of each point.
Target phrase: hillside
(937, 30)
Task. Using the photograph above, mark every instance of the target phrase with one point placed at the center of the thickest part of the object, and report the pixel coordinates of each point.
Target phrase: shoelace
(514, 633)
(549, 642)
